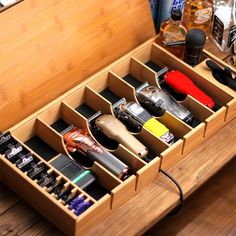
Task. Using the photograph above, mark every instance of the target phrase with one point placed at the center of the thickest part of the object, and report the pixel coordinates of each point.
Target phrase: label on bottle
(170, 37)
(202, 16)
(232, 36)
(177, 4)
(217, 30)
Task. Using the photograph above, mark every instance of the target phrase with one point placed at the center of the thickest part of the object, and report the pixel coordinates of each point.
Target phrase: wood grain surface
(155, 201)
(209, 211)
(54, 45)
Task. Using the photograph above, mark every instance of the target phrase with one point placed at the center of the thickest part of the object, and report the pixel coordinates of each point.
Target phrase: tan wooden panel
(47, 47)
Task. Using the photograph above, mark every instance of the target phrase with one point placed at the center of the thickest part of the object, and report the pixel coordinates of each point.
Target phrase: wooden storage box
(58, 55)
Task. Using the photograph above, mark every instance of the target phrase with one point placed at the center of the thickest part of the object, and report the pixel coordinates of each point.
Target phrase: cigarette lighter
(79, 140)
(135, 115)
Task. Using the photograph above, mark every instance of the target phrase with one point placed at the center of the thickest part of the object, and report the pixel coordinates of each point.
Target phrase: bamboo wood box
(58, 55)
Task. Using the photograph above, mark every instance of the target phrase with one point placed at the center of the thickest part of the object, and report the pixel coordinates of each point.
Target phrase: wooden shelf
(160, 197)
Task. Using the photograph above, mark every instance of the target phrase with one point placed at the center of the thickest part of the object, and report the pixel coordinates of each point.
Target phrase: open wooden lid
(47, 47)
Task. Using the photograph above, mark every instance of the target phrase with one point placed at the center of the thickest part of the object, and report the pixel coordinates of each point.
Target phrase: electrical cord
(181, 194)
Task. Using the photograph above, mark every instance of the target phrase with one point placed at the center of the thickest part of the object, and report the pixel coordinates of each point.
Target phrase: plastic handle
(182, 84)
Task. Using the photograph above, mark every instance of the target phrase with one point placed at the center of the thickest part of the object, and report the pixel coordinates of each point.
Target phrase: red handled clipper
(182, 84)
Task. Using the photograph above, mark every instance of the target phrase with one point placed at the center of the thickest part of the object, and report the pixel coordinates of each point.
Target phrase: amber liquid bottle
(173, 30)
(198, 14)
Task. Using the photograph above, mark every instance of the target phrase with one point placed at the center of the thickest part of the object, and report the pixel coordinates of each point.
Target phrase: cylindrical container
(172, 30)
(224, 24)
(197, 15)
(195, 40)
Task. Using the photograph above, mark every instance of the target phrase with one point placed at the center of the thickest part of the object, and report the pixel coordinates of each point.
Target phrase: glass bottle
(198, 14)
(224, 24)
(173, 30)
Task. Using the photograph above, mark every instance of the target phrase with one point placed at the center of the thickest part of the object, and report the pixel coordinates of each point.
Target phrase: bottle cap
(176, 14)
(195, 37)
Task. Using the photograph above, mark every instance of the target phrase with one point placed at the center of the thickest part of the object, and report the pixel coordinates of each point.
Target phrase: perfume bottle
(173, 30)
(198, 14)
(224, 24)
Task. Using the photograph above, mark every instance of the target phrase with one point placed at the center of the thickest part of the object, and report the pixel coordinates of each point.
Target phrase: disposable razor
(135, 115)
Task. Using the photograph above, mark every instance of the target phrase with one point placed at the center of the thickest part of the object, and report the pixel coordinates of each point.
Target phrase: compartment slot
(26, 131)
(135, 72)
(203, 69)
(132, 81)
(101, 104)
(198, 110)
(85, 110)
(60, 116)
(98, 83)
(110, 96)
(76, 98)
(120, 88)
(121, 192)
(142, 73)
(176, 126)
(41, 148)
(40, 138)
(133, 161)
(60, 125)
(112, 89)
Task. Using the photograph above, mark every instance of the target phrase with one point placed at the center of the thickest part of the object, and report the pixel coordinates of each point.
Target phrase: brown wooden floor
(210, 211)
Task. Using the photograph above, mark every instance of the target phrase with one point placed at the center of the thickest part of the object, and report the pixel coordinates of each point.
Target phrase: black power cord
(181, 194)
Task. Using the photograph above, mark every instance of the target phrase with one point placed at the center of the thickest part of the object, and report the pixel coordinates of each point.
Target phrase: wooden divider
(120, 88)
(97, 102)
(50, 136)
(142, 73)
(73, 117)
(175, 125)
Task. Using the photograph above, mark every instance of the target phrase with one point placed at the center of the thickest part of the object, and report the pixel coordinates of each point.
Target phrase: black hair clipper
(135, 115)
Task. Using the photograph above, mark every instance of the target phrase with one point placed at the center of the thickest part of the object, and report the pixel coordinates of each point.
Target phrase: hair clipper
(79, 140)
(115, 129)
(135, 115)
(158, 101)
(181, 83)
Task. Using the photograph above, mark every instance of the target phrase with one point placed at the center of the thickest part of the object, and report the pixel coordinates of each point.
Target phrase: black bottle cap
(195, 37)
(176, 14)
